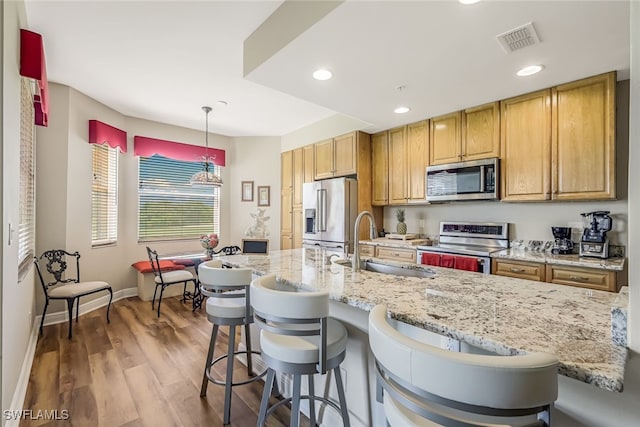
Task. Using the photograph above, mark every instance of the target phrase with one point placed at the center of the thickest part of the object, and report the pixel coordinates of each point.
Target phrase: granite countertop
(614, 263)
(396, 243)
(499, 314)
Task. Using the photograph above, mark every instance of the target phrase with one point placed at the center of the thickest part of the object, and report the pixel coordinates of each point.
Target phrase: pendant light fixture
(205, 177)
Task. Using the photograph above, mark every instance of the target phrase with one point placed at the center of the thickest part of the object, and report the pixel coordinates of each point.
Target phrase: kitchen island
(497, 314)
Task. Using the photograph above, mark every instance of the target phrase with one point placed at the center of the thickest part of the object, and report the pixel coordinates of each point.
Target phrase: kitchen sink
(378, 267)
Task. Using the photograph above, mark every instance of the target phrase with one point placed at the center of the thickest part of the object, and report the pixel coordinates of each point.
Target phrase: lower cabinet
(398, 254)
(592, 278)
(519, 269)
(388, 252)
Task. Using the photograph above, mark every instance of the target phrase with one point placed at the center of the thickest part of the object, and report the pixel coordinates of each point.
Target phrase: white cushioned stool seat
(227, 307)
(293, 349)
(174, 276)
(74, 289)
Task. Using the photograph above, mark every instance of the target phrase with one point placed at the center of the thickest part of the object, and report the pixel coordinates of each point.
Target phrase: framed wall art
(247, 191)
(264, 197)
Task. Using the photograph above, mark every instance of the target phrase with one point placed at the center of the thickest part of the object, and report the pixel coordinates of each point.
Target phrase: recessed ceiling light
(322, 74)
(529, 70)
(468, 1)
(402, 110)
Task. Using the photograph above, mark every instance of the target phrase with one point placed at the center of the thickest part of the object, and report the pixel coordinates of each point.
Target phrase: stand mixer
(594, 242)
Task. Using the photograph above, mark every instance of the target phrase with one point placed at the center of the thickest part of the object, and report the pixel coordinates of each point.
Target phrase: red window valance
(100, 133)
(32, 65)
(146, 147)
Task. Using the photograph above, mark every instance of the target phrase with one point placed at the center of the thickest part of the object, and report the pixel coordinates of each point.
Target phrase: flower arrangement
(209, 242)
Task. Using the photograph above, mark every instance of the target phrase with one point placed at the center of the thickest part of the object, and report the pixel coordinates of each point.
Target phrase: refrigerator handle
(323, 209)
(318, 211)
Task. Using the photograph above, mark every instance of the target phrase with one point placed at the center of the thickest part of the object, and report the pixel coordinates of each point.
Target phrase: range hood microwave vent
(518, 38)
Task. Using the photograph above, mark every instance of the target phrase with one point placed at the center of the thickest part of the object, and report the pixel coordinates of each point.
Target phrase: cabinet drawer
(397, 254)
(583, 277)
(367, 250)
(520, 270)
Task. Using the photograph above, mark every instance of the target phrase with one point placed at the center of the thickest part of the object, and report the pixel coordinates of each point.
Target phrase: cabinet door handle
(517, 270)
(584, 279)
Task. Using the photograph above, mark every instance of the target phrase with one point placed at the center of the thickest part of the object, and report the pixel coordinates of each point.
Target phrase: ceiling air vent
(518, 38)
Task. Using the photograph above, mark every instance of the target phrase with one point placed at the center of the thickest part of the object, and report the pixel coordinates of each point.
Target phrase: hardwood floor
(136, 371)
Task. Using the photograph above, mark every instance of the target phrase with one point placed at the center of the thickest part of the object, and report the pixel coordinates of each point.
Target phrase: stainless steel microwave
(472, 180)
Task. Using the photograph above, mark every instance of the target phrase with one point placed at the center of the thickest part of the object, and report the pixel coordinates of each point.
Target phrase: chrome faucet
(355, 262)
(330, 257)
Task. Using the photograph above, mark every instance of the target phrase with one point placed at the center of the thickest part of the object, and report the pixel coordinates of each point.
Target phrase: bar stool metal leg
(247, 336)
(312, 403)
(295, 401)
(341, 396)
(229, 381)
(268, 384)
(207, 366)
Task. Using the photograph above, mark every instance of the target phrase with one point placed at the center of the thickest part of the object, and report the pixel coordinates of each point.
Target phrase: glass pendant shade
(205, 177)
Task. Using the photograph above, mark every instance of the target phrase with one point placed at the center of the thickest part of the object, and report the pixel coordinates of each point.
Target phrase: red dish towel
(466, 263)
(447, 261)
(429, 258)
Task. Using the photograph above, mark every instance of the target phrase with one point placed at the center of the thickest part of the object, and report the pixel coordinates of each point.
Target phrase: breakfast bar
(493, 313)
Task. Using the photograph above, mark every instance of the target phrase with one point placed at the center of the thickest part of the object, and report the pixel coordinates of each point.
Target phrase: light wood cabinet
(367, 250)
(397, 166)
(481, 132)
(398, 254)
(298, 176)
(336, 157)
(380, 169)
(519, 269)
(286, 200)
(583, 139)
(308, 157)
(559, 143)
(526, 147)
(591, 278)
(408, 159)
(445, 139)
(297, 225)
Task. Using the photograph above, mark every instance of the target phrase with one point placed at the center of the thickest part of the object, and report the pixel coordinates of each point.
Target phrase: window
(169, 207)
(104, 195)
(26, 227)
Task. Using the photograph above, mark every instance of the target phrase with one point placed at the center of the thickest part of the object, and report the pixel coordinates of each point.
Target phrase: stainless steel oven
(466, 245)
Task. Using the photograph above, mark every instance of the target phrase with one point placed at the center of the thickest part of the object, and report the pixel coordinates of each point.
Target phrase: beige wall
(258, 160)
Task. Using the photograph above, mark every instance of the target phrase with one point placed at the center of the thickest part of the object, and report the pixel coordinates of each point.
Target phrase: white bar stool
(423, 385)
(227, 305)
(297, 337)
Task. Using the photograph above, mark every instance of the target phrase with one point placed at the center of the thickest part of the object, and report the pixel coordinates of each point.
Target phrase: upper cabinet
(408, 160)
(380, 169)
(298, 176)
(481, 132)
(583, 139)
(286, 200)
(559, 143)
(336, 157)
(526, 147)
(471, 134)
(446, 139)
(308, 156)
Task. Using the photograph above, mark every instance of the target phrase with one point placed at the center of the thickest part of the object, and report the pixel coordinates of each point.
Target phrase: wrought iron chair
(168, 278)
(230, 250)
(65, 287)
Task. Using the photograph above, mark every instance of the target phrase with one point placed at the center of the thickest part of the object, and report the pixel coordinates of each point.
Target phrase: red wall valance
(100, 133)
(33, 65)
(146, 147)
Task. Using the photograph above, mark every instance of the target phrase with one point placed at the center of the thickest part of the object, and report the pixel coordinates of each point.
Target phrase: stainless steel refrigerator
(330, 208)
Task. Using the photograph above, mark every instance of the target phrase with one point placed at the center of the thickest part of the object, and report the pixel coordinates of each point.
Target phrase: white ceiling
(163, 60)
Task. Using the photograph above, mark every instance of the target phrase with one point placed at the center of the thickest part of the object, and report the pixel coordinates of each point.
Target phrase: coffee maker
(562, 244)
(594, 242)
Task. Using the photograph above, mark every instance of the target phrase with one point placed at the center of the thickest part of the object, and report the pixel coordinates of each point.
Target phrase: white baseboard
(17, 403)
(63, 316)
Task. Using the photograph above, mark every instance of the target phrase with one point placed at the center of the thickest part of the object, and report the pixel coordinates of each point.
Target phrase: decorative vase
(401, 228)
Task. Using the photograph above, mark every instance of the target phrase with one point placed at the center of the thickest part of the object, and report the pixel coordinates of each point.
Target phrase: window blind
(26, 227)
(168, 206)
(104, 195)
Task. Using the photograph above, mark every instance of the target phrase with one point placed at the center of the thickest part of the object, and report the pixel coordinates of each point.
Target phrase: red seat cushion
(165, 265)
